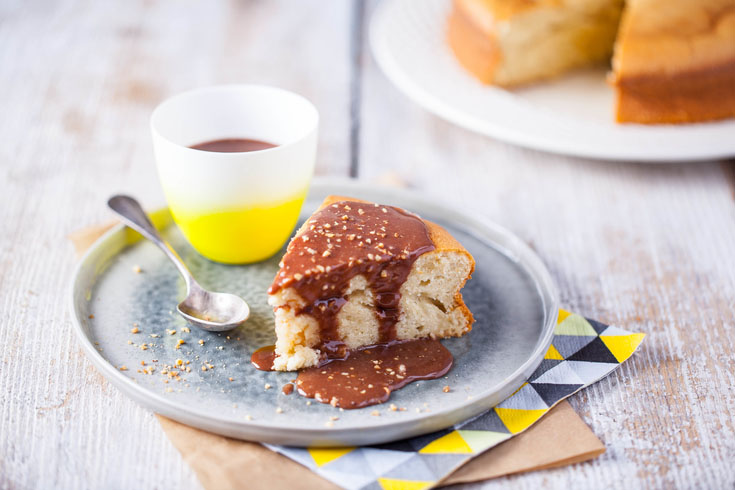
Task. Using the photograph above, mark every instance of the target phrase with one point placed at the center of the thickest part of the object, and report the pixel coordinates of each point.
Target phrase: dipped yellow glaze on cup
(235, 208)
(236, 236)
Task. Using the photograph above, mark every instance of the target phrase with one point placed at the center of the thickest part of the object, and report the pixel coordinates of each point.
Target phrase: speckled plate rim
(116, 239)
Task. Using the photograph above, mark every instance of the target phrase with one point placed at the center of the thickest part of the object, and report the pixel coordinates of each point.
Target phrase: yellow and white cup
(235, 208)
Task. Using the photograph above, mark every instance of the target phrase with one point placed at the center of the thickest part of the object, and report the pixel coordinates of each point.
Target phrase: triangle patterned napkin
(583, 351)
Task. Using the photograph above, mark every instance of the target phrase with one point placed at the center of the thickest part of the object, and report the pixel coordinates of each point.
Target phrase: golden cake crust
(472, 39)
(487, 12)
(675, 61)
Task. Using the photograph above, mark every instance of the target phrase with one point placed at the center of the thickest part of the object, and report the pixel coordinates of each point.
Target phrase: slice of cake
(675, 61)
(359, 273)
(513, 42)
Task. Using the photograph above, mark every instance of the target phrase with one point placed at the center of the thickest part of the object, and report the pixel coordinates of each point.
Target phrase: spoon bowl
(214, 312)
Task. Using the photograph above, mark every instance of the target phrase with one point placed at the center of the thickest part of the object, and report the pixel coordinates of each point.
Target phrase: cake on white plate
(672, 61)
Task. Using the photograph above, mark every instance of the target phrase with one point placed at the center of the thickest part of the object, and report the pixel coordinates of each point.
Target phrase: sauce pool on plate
(368, 375)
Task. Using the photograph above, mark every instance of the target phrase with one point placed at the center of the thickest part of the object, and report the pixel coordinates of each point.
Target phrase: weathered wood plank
(646, 247)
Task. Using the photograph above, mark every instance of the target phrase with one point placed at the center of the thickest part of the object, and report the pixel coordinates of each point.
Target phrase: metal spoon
(215, 312)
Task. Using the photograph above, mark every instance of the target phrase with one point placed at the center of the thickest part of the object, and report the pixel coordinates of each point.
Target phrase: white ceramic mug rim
(246, 86)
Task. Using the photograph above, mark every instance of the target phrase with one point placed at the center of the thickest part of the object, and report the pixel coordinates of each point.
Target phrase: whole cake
(673, 61)
(359, 274)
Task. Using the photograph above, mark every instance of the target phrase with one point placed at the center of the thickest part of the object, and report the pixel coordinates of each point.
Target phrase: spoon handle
(133, 215)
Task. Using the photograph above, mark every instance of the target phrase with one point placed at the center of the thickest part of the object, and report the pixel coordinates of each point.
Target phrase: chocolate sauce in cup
(235, 163)
(233, 145)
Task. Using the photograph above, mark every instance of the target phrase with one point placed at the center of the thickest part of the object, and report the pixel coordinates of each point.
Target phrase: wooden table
(648, 247)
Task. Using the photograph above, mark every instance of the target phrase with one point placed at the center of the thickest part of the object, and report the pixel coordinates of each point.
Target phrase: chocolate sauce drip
(370, 374)
(263, 358)
(348, 239)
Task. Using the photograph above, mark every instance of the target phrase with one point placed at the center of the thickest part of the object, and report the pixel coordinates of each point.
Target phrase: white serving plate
(572, 115)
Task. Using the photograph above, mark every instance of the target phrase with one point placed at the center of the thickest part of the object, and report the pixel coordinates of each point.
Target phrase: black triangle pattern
(595, 351)
(567, 345)
(402, 445)
(599, 327)
(552, 393)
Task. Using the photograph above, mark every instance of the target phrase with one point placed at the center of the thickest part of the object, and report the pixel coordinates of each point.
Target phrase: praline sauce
(339, 242)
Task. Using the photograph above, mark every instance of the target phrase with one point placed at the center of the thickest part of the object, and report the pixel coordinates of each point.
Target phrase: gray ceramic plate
(511, 295)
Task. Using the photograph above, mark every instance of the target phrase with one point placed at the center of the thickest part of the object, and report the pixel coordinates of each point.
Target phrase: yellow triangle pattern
(575, 325)
(395, 484)
(622, 346)
(451, 443)
(479, 440)
(563, 314)
(517, 420)
(324, 455)
(552, 353)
